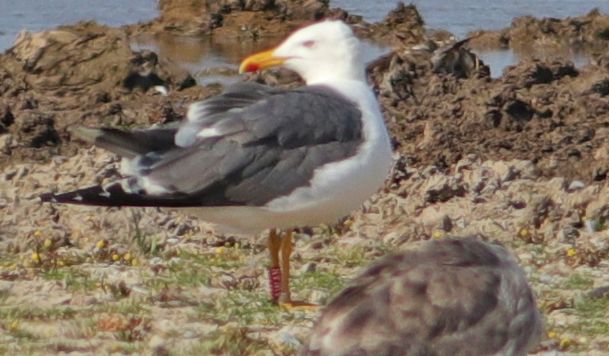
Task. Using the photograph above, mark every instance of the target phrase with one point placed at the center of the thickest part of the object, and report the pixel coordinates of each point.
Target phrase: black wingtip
(94, 195)
(114, 195)
(47, 198)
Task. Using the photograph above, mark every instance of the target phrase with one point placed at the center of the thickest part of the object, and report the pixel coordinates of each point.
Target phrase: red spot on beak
(252, 67)
(260, 61)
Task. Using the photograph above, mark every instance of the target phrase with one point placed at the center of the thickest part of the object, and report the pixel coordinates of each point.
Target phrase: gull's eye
(308, 44)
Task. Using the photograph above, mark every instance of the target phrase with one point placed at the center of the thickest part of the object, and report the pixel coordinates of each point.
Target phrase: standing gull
(450, 297)
(256, 157)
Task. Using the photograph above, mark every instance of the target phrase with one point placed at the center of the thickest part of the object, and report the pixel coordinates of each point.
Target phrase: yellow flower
(219, 250)
(116, 257)
(552, 334)
(571, 252)
(127, 257)
(564, 343)
(437, 234)
(135, 262)
(48, 243)
(36, 257)
(60, 263)
(101, 244)
(524, 232)
(37, 233)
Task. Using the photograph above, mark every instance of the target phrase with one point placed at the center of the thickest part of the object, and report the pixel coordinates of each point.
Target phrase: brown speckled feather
(450, 297)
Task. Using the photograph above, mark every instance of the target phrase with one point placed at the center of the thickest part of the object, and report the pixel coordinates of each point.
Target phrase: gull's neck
(342, 75)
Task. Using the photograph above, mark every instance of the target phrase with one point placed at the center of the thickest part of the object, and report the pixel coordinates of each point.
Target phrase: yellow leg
(285, 298)
(274, 245)
(286, 252)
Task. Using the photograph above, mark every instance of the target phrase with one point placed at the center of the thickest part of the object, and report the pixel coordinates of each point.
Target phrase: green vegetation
(604, 34)
(579, 281)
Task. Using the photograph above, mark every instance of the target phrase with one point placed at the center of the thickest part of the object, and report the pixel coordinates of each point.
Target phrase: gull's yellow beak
(260, 61)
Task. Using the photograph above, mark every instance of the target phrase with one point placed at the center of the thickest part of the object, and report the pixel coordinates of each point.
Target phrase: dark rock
(136, 80)
(519, 110)
(600, 174)
(403, 18)
(545, 35)
(147, 71)
(459, 61)
(102, 97)
(35, 129)
(599, 293)
(6, 118)
(29, 104)
(536, 73)
(493, 116)
(601, 87)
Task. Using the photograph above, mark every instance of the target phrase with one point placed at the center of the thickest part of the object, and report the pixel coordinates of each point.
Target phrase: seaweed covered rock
(588, 32)
(79, 74)
(235, 18)
(84, 56)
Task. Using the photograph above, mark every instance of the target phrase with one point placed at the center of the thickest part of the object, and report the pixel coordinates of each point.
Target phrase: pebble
(207, 292)
(285, 337)
(576, 185)
(6, 142)
(10, 174)
(592, 225)
(156, 341)
(156, 261)
(161, 90)
(546, 279)
(190, 334)
(599, 293)
(308, 267)
(317, 296)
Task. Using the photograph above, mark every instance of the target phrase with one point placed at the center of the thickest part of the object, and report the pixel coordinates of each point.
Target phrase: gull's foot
(285, 302)
(299, 306)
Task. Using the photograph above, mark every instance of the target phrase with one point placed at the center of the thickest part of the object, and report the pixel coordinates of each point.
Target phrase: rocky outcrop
(245, 19)
(80, 74)
(547, 112)
(589, 32)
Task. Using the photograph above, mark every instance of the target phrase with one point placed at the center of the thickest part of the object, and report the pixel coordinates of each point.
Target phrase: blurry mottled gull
(256, 157)
(449, 297)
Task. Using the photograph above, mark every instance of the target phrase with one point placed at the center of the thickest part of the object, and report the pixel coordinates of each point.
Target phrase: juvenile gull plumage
(451, 297)
(256, 157)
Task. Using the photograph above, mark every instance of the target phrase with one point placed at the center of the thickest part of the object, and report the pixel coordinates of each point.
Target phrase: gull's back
(451, 297)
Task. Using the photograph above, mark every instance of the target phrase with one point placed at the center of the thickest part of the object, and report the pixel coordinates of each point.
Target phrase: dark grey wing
(262, 151)
(248, 155)
(454, 297)
(212, 111)
(238, 95)
(130, 144)
(163, 138)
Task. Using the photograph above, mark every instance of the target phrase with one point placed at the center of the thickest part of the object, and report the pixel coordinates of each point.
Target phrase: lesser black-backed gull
(449, 297)
(256, 157)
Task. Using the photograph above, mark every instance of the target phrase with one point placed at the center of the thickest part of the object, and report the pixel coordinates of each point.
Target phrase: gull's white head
(321, 52)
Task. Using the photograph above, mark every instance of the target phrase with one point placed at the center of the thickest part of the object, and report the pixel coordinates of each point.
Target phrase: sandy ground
(522, 159)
